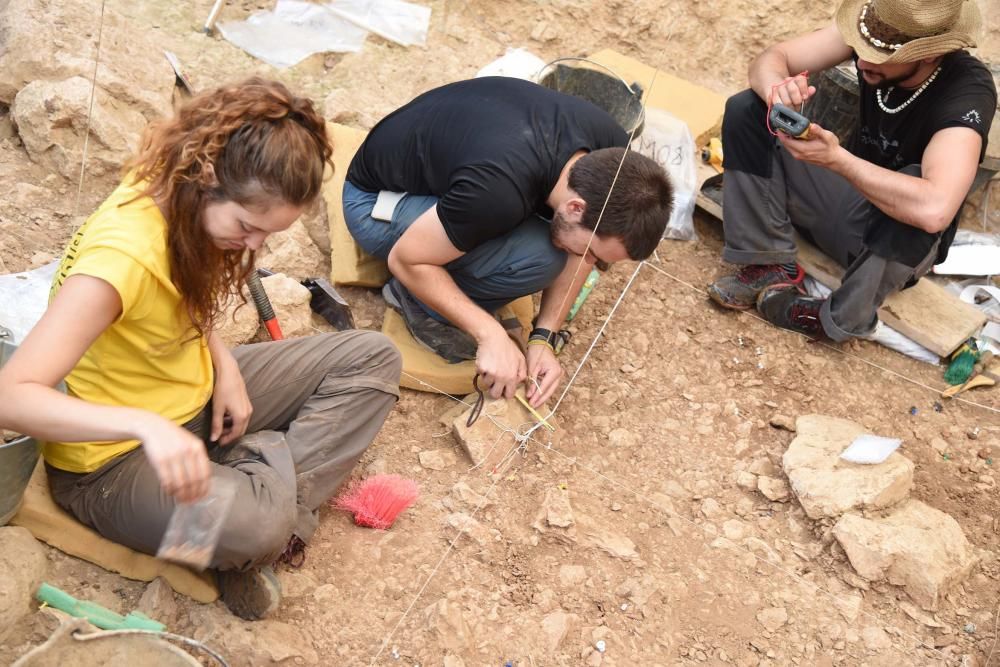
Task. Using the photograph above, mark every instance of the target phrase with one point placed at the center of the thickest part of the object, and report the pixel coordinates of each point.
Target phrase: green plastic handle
(99, 616)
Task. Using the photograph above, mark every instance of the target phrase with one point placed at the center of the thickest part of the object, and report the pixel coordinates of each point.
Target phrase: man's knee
(744, 113)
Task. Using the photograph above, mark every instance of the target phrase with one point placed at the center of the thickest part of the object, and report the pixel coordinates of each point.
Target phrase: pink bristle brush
(377, 501)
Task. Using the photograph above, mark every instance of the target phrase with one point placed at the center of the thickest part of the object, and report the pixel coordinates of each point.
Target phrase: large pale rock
(555, 516)
(51, 118)
(916, 546)
(55, 40)
(293, 253)
(826, 485)
(23, 563)
(488, 442)
(317, 225)
(238, 322)
(290, 301)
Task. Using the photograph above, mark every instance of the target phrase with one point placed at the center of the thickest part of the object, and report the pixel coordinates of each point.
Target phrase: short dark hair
(640, 204)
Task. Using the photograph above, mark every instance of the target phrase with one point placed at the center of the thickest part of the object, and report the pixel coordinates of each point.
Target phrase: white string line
(437, 566)
(996, 624)
(841, 351)
(90, 111)
(736, 547)
(600, 216)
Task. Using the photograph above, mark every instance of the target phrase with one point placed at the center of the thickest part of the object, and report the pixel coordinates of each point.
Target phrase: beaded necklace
(916, 93)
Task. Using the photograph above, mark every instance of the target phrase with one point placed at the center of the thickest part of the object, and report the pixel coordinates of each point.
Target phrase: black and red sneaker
(784, 306)
(739, 291)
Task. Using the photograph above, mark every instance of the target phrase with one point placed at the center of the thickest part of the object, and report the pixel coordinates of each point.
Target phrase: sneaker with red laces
(739, 291)
(784, 306)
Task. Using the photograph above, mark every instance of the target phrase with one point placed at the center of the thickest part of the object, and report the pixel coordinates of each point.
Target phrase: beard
(884, 82)
(560, 226)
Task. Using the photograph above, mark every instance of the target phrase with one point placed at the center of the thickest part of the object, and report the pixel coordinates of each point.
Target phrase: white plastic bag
(24, 298)
(667, 140)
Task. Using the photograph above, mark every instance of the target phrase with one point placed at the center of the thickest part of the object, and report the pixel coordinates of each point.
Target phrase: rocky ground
(658, 526)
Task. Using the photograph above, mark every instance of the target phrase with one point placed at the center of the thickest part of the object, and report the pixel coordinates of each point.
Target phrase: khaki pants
(329, 394)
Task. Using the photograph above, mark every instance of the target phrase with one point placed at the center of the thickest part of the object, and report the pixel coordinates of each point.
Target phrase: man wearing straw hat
(885, 206)
(505, 182)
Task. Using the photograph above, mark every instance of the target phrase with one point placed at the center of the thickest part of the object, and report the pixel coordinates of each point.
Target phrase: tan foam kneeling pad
(425, 371)
(51, 524)
(350, 265)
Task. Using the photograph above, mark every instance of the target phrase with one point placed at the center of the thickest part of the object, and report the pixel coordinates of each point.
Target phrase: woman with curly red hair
(156, 405)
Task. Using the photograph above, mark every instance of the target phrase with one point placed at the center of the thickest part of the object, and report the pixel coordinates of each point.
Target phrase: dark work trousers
(768, 193)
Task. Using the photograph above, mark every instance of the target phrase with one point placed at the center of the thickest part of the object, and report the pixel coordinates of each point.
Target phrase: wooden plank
(925, 313)
(699, 107)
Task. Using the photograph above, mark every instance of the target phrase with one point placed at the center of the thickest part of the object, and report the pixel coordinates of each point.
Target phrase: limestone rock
(485, 443)
(773, 488)
(251, 643)
(293, 253)
(783, 422)
(467, 526)
(556, 625)
(572, 575)
(828, 486)
(54, 41)
(158, 602)
(238, 322)
(51, 118)
(612, 543)
(446, 620)
(463, 495)
(712, 510)
(23, 563)
(916, 546)
(746, 480)
(317, 226)
(555, 516)
(290, 301)
(773, 618)
(436, 459)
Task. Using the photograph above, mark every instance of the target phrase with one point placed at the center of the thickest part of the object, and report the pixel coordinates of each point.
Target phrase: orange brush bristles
(377, 501)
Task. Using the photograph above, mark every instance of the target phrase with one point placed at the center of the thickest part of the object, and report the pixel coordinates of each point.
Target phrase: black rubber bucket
(834, 107)
(601, 87)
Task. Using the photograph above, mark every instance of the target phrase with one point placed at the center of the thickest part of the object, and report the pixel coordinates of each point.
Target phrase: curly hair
(253, 143)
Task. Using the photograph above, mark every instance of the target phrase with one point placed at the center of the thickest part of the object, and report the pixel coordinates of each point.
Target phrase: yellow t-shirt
(149, 357)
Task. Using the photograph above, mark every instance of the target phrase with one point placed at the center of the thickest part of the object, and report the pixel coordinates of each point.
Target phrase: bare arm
(929, 201)
(814, 52)
(29, 403)
(418, 260)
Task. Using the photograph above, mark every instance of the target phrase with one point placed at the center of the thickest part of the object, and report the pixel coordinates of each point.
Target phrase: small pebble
(913, 409)
(624, 606)
(601, 646)
(970, 628)
(938, 407)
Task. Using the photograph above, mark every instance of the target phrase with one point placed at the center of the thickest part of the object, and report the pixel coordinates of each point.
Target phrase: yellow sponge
(350, 264)
(425, 371)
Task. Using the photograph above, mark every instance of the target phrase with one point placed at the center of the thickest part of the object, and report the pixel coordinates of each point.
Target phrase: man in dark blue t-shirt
(886, 206)
(503, 180)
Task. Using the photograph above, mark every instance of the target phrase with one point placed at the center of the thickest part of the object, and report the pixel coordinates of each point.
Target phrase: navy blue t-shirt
(491, 149)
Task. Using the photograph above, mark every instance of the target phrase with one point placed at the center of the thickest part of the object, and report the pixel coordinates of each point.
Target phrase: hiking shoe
(739, 291)
(251, 595)
(448, 342)
(784, 306)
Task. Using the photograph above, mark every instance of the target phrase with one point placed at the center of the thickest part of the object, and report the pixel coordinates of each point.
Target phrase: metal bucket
(604, 89)
(17, 460)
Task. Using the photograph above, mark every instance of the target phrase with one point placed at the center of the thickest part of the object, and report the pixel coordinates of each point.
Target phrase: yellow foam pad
(51, 524)
(425, 371)
(350, 264)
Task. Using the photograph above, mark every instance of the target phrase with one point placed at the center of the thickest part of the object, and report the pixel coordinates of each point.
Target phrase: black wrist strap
(542, 334)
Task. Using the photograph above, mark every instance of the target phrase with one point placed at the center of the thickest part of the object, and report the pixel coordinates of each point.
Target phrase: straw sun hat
(901, 31)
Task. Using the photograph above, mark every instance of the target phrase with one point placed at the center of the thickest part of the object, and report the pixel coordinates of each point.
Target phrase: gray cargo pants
(768, 193)
(328, 393)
